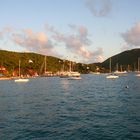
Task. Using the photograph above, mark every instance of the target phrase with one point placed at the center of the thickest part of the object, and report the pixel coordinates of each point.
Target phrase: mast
(45, 65)
(110, 65)
(70, 66)
(128, 67)
(121, 67)
(134, 67)
(139, 64)
(63, 68)
(19, 68)
(117, 67)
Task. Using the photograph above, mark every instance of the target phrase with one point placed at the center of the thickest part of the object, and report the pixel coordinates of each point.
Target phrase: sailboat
(111, 76)
(63, 73)
(74, 75)
(138, 67)
(45, 73)
(121, 72)
(21, 79)
(71, 75)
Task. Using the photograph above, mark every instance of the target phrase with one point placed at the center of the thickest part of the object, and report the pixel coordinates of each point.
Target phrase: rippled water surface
(94, 108)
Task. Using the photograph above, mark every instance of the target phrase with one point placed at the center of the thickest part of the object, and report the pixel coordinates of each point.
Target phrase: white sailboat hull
(74, 74)
(75, 78)
(112, 77)
(120, 72)
(21, 80)
(70, 74)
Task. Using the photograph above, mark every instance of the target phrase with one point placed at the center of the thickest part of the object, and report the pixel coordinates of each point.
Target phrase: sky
(84, 31)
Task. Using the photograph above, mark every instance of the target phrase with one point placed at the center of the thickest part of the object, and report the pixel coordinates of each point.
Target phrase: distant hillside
(10, 60)
(127, 59)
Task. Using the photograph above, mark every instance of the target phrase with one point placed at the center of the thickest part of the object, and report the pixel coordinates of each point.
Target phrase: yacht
(21, 79)
(111, 75)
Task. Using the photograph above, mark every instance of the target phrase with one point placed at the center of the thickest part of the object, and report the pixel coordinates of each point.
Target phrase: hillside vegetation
(127, 60)
(10, 60)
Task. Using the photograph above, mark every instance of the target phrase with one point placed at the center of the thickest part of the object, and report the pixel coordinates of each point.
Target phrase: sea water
(50, 108)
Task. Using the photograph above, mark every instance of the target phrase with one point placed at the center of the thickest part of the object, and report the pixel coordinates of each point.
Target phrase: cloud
(125, 47)
(5, 32)
(99, 8)
(77, 43)
(95, 56)
(132, 36)
(81, 29)
(34, 41)
(1, 35)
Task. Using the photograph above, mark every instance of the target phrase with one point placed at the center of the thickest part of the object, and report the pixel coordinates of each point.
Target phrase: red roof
(2, 68)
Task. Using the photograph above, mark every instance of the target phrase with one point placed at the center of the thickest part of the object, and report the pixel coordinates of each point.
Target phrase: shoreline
(6, 78)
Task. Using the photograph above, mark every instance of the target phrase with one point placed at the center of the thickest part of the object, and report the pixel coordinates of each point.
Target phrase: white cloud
(132, 36)
(76, 44)
(36, 42)
(125, 47)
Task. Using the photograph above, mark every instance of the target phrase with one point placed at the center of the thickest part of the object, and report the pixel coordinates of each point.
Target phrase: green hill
(127, 59)
(10, 60)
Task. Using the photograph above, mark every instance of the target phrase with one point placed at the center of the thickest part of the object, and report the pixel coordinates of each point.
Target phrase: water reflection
(65, 84)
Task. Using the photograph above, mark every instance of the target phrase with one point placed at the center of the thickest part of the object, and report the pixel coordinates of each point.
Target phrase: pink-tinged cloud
(132, 36)
(83, 31)
(36, 42)
(99, 8)
(40, 37)
(97, 55)
(77, 43)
